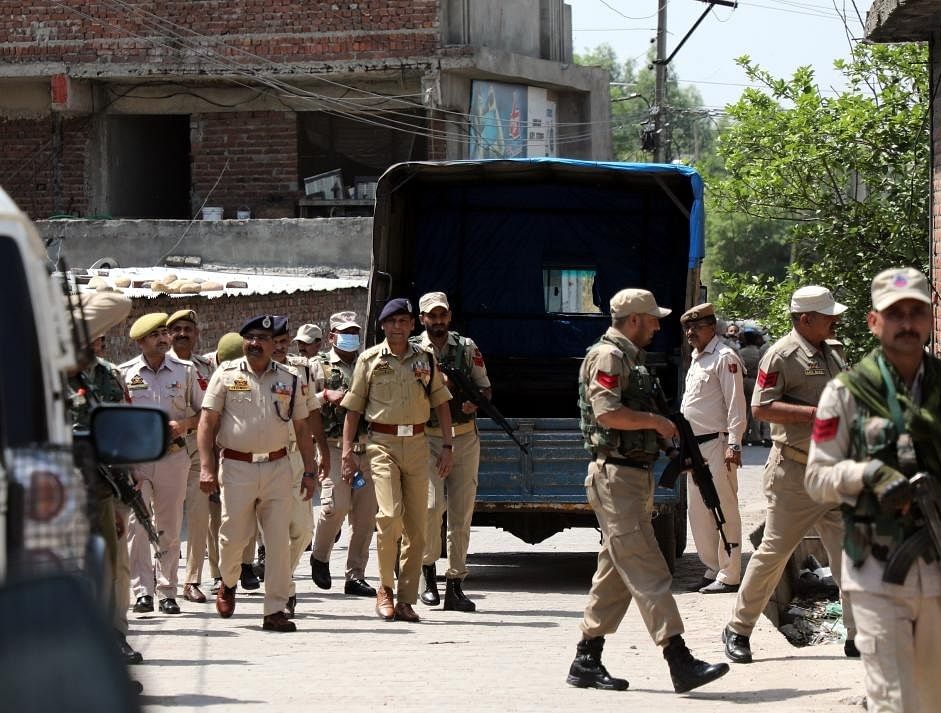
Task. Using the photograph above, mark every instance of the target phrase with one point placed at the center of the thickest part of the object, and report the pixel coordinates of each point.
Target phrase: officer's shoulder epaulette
(129, 363)
(285, 367)
(785, 347)
(172, 358)
(229, 364)
(197, 359)
(298, 360)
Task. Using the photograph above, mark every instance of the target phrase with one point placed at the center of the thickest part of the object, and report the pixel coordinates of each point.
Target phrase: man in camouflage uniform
(452, 350)
(339, 499)
(624, 435)
(876, 427)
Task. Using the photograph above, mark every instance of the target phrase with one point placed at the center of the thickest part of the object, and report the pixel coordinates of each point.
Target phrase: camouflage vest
(108, 387)
(638, 396)
(333, 416)
(457, 359)
(875, 436)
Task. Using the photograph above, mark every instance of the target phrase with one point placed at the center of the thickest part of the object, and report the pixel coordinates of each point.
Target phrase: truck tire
(664, 529)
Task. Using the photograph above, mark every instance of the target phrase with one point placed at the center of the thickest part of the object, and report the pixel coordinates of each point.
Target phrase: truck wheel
(664, 530)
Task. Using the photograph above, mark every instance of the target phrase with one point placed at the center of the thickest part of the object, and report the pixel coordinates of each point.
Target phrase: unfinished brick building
(143, 109)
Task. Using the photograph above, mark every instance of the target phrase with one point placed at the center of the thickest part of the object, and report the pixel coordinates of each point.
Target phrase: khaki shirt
(253, 408)
(390, 390)
(832, 477)
(714, 397)
(173, 387)
(305, 370)
(606, 371)
(793, 371)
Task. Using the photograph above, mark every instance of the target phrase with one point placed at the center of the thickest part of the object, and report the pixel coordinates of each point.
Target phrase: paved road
(511, 655)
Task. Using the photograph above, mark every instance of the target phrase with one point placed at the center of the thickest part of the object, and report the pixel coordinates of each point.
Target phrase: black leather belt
(706, 437)
(628, 462)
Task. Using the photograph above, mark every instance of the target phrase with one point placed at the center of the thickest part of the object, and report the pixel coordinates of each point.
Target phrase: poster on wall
(510, 121)
(498, 119)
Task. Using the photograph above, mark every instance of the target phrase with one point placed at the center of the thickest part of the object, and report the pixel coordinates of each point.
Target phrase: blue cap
(280, 325)
(399, 305)
(261, 321)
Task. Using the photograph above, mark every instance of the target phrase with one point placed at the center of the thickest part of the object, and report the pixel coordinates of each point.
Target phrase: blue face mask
(348, 342)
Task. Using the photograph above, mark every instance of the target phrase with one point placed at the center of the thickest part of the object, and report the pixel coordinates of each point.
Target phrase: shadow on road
(194, 700)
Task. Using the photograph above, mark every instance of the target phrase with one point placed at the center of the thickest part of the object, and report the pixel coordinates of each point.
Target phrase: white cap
(431, 300)
(635, 301)
(899, 283)
(815, 298)
(308, 333)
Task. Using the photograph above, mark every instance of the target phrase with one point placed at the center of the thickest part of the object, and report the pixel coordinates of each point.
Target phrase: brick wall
(226, 314)
(27, 158)
(261, 148)
(282, 30)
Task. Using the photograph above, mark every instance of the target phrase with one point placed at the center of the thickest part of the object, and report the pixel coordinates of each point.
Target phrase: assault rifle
(926, 497)
(466, 390)
(690, 458)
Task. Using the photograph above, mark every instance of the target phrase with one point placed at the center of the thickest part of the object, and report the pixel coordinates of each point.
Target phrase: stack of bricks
(226, 314)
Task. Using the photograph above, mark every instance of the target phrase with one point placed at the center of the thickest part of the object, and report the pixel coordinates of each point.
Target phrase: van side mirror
(123, 434)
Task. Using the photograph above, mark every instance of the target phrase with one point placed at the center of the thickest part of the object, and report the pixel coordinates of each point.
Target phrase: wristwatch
(735, 448)
(308, 474)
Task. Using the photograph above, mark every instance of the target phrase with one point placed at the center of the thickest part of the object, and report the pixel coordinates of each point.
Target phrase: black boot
(587, 671)
(430, 595)
(454, 599)
(688, 672)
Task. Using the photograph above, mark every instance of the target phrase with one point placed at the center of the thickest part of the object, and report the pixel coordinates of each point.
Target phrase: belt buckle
(408, 430)
(260, 458)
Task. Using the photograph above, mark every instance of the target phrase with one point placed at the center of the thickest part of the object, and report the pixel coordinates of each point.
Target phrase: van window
(569, 291)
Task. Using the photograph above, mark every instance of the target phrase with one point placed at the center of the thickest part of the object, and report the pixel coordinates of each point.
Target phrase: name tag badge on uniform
(174, 386)
(137, 382)
(281, 389)
(240, 384)
(814, 370)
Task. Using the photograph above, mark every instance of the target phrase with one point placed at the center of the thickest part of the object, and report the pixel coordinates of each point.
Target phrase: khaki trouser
(212, 537)
(719, 565)
(252, 494)
(790, 515)
(900, 642)
(301, 527)
(116, 557)
(198, 524)
(337, 501)
(122, 573)
(162, 483)
(461, 485)
(399, 466)
(630, 564)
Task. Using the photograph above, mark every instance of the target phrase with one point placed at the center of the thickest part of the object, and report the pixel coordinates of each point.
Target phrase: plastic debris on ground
(814, 615)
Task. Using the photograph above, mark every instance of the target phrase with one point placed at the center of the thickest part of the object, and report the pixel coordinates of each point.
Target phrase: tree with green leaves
(849, 174)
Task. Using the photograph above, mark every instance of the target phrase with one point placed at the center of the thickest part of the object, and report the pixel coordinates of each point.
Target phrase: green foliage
(849, 174)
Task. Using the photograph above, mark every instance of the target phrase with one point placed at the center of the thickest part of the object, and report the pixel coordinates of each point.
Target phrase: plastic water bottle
(358, 480)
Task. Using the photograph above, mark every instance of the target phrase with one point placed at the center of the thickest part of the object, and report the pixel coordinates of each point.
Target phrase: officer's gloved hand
(891, 488)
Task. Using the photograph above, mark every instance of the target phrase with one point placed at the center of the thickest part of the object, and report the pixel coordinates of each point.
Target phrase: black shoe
(169, 606)
(248, 578)
(850, 650)
(454, 599)
(358, 588)
(430, 596)
(144, 604)
(292, 605)
(737, 646)
(320, 573)
(688, 672)
(587, 671)
(129, 655)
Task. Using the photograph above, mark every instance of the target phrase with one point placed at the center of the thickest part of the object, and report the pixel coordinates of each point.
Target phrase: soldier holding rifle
(876, 427)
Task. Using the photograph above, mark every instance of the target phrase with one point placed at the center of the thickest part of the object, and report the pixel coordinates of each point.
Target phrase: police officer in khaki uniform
(624, 437)
(301, 528)
(158, 379)
(791, 377)
(877, 426)
(461, 353)
(714, 405)
(309, 339)
(339, 499)
(395, 385)
(250, 405)
(184, 333)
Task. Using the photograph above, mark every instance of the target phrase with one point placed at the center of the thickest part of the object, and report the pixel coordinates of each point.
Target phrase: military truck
(529, 252)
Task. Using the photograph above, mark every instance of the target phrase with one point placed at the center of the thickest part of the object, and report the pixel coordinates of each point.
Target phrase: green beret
(229, 347)
(187, 314)
(145, 325)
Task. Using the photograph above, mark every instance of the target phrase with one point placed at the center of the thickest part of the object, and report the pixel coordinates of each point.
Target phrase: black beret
(399, 305)
(280, 325)
(261, 321)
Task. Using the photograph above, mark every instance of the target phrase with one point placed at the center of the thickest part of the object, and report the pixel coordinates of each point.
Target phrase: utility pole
(660, 90)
